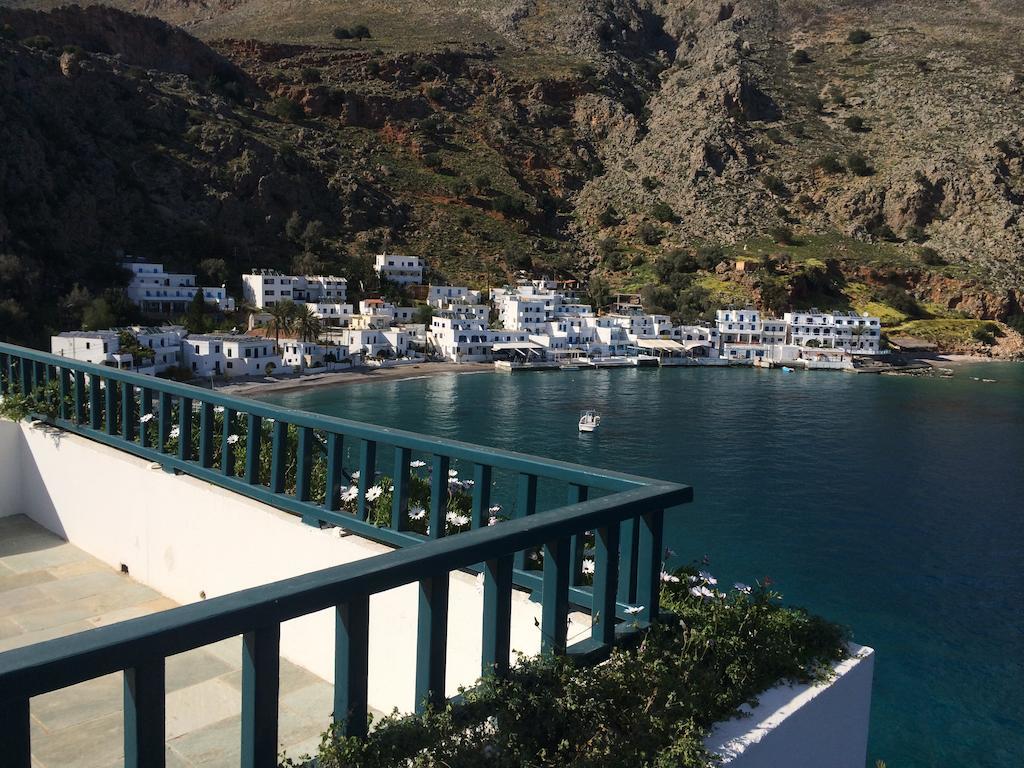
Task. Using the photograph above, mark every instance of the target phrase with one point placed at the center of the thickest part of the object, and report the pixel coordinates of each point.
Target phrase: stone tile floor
(50, 588)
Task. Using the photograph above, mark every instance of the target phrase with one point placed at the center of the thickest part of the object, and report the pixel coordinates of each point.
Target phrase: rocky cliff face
(579, 137)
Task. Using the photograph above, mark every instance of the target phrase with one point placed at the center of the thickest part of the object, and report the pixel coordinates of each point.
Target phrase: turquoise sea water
(893, 505)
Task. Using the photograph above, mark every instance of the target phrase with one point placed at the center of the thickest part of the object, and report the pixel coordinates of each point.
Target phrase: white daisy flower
(669, 578)
(146, 418)
(372, 494)
(633, 610)
(707, 578)
(739, 586)
(232, 439)
(218, 409)
(701, 592)
(350, 494)
(588, 566)
(355, 475)
(492, 520)
(417, 464)
(175, 431)
(417, 513)
(495, 509)
(453, 473)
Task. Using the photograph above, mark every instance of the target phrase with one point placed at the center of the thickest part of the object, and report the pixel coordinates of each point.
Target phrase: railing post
(628, 561)
(526, 504)
(304, 472)
(5, 372)
(367, 469)
(648, 578)
(64, 393)
(95, 398)
(400, 496)
(15, 733)
(351, 665)
(606, 579)
(497, 630)
(335, 454)
(278, 455)
(144, 716)
(206, 434)
(555, 597)
(110, 406)
(261, 661)
(79, 397)
(185, 428)
(145, 408)
(577, 495)
(431, 641)
(253, 445)
(227, 448)
(164, 421)
(438, 496)
(481, 495)
(25, 369)
(128, 419)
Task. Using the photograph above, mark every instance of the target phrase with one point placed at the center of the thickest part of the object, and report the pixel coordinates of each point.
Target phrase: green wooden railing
(310, 457)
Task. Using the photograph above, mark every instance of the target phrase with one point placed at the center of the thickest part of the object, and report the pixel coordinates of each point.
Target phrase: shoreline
(359, 375)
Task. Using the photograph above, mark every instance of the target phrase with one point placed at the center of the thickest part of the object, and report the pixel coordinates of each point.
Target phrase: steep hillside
(853, 154)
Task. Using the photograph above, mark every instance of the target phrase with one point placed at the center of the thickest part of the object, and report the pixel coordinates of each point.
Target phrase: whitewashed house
(859, 334)
(302, 354)
(395, 268)
(265, 287)
(444, 296)
(334, 315)
(229, 355)
(159, 292)
(106, 347)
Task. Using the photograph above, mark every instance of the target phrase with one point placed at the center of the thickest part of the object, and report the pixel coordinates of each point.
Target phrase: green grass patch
(724, 293)
(944, 332)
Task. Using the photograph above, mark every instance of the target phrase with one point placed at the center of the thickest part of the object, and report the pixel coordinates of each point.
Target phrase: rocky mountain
(857, 153)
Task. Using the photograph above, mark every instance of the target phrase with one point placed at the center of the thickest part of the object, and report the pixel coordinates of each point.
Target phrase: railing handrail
(53, 664)
(608, 480)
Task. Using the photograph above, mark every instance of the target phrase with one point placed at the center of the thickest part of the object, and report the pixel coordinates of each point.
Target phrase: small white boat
(589, 421)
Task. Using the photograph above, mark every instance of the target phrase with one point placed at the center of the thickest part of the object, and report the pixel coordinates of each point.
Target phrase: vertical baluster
(351, 665)
(335, 454)
(627, 561)
(49, 373)
(278, 455)
(15, 733)
(261, 661)
(206, 434)
(95, 393)
(145, 409)
(5, 373)
(62, 379)
(526, 504)
(648, 578)
(144, 716)
(367, 469)
(431, 641)
(40, 374)
(481, 495)
(128, 417)
(79, 397)
(185, 428)
(25, 369)
(304, 473)
(164, 425)
(606, 579)
(110, 407)
(400, 496)
(497, 630)
(253, 445)
(227, 448)
(438, 496)
(577, 495)
(555, 597)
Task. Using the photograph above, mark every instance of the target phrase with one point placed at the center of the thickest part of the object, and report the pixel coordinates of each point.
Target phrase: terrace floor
(50, 588)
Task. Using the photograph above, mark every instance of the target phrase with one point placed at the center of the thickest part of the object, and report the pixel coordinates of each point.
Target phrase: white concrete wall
(804, 726)
(11, 451)
(183, 536)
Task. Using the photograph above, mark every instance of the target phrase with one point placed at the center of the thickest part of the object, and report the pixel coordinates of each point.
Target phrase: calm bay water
(893, 505)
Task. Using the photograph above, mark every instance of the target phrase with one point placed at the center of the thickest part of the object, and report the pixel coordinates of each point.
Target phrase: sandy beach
(359, 375)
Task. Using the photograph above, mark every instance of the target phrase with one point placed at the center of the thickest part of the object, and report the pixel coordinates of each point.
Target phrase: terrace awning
(516, 346)
(694, 344)
(663, 345)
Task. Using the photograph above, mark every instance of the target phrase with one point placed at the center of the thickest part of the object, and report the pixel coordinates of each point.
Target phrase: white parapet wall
(187, 539)
(804, 726)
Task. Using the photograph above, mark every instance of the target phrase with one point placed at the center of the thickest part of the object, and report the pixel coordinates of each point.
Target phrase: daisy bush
(651, 704)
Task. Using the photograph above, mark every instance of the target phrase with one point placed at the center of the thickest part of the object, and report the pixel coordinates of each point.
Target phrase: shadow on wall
(19, 474)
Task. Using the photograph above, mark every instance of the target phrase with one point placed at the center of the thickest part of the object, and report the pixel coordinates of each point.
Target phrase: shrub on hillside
(650, 183)
(608, 217)
(649, 234)
(663, 212)
(931, 257)
(858, 36)
(285, 109)
(310, 75)
(829, 164)
(800, 56)
(855, 123)
(781, 235)
(40, 42)
(859, 165)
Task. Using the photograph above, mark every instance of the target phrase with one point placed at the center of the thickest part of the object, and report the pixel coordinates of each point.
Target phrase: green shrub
(829, 164)
(650, 183)
(663, 212)
(40, 42)
(7, 32)
(900, 300)
(800, 56)
(983, 335)
(858, 164)
(781, 235)
(608, 217)
(342, 33)
(649, 234)
(774, 184)
(361, 32)
(284, 108)
(931, 257)
(508, 206)
(855, 123)
(75, 50)
(858, 36)
(432, 160)
(435, 92)
(310, 75)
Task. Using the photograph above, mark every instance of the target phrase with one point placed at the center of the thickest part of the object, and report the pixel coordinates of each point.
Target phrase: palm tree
(282, 317)
(308, 325)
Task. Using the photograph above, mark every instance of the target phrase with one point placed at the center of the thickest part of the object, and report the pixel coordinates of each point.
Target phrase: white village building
(265, 287)
(229, 355)
(106, 347)
(169, 293)
(395, 268)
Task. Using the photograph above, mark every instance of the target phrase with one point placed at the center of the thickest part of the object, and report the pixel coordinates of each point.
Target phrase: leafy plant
(858, 36)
